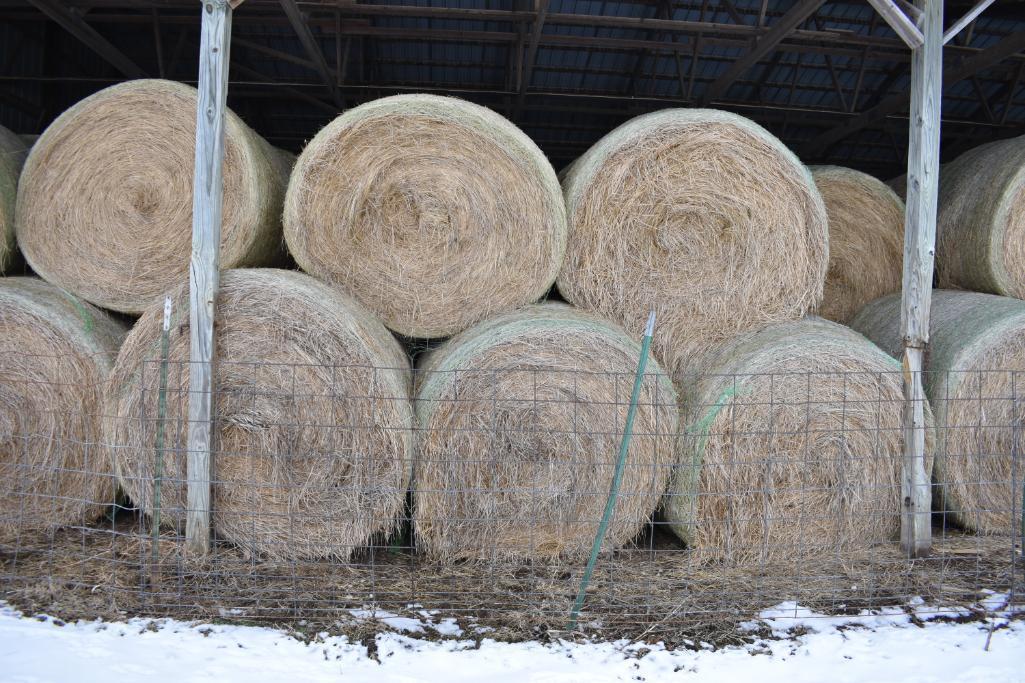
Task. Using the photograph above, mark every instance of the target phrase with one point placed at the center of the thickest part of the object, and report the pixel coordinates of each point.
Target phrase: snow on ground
(883, 646)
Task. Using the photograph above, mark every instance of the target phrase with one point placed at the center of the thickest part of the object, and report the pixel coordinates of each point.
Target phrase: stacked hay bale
(313, 417)
(866, 240)
(434, 212)
(973, 380)
(795, 437)
(521, 419)
(105, 201)
(980, 231)
(700, 215)
(56, 353)
(12, 156)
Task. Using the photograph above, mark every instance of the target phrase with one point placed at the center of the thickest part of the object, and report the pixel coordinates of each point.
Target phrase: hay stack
(314, 429)
(976, 384)
(56, 354)
(795, 432)
(12, 156)
(701, 215)
(434, 212)
(866, 240)
(980, 229)
(521, 419)
(105, 201)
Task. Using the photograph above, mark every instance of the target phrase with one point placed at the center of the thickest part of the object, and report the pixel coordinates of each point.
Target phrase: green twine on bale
(610, 504)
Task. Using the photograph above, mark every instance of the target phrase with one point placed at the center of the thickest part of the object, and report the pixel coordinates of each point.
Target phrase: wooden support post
(215, 41)
(919, 249)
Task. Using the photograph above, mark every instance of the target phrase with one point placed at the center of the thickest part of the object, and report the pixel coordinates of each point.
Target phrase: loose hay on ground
(521, 419)
(434, 212)
(56, 354)
(313, 417)
(701, 215)
(795, 434)
(975, 380)
(12, 156)
(105, 201)
(866, 240)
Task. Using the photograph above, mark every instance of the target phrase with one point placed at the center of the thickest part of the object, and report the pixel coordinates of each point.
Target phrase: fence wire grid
(337, 495)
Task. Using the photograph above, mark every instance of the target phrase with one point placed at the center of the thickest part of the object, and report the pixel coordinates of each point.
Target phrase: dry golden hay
(975, 376)
(105, 200)
(314, 417)
(793, 447)
(56, 354)
(701, 215)
(866, 240)
(521, 419)
(12, 156)
(434, 212)
(980, 228)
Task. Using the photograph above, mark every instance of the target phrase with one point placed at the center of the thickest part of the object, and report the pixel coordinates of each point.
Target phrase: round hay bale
(314, 417)
(105, 200)
(434, 212)
(701, 215)
(521, 419)
(974, 379)
(56, 354)
(980, 227)
(866, 240)
(12, 156)
(793, 448)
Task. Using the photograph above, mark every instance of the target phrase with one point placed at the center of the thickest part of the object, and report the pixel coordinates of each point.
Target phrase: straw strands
(980, 232)
(12, 156)
(701, 215)
(866, 240)
(795, 434)
(105, 200)
(434, 212)
(975, 376)
(56, 354)
(313, 417)
(521, 419)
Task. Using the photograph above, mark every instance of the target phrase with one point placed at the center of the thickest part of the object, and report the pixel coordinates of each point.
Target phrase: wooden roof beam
(763, 46)
(73, 23)
(310, 46)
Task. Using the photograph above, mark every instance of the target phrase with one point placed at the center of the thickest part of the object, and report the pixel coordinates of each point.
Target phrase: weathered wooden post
(215, 41)
(919, 250)
(923, 33)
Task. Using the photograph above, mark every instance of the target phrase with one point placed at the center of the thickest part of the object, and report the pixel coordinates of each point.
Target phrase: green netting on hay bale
(795, 433)
(105, 201)
(866, 240)
(975, 374)
(701, 215)
(314, 419)
(434, 212)
(521, 419)
(12, 156)
(56, 354)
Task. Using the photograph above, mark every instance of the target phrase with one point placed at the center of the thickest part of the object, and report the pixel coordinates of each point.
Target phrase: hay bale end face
(975, 378)
(314, 417)
(521, 419)
(866, 240)
(434, 212)
(12, 156)
(795, 436)
(105, 201)
(980, 228)
(701, 215)
(56, 354)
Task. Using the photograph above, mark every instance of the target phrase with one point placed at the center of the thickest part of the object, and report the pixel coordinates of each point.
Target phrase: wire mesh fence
(337, 493)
